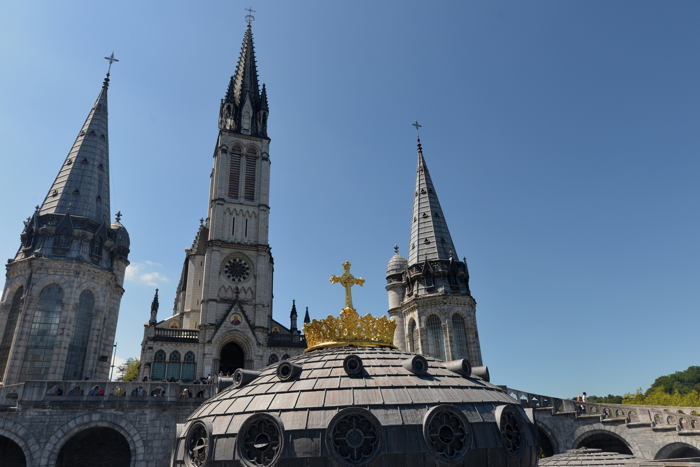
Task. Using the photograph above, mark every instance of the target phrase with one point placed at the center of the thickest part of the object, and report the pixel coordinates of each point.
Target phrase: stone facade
(223, 307)
(429, 295)
(59, 308)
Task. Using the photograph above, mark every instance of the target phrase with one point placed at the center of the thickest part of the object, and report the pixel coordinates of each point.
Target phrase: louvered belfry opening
(234, 176)
(250, 163)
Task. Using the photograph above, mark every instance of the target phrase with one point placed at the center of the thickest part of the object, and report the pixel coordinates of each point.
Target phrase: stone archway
(605, 441)
(546, 443)
(101, 446)
(11, 453)
(677, 451)
(231, 358)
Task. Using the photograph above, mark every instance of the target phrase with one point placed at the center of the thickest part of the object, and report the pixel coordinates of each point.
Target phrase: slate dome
(358, 406)
(396, 265)
(122, 238)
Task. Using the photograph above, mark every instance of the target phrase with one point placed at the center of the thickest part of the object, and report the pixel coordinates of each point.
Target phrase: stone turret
(293, 317)
(428, 294)
(63, 288)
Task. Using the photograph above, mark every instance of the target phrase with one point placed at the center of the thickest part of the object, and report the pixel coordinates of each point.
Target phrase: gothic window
(189, 367)
(250, 162)
(459, 337)
(234, 174)
(246, 121)
(412, 336)
(81, 334)
(42, 334)
(447, 433)
(158, 367)
(285, 357)
(96, 248)
(436, 340)
(354, 436)
(273, 359)
(9, 332)
(174, 366)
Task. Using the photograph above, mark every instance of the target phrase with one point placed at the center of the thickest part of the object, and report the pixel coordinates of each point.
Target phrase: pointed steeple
(81, 187)
(307, 318)
(245, 109)
(430, 237)
(154, 309)
(245, 79)
(293, 317)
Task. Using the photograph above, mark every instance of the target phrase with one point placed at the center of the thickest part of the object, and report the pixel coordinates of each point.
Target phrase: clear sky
(562, 138)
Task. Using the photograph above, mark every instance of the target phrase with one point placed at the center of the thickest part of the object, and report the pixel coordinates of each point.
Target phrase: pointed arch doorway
(232, 357)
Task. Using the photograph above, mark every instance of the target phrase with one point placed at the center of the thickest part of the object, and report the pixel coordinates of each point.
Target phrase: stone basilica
(60, 304)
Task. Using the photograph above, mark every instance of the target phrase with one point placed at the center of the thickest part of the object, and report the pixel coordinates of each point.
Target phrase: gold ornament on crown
(349, 328)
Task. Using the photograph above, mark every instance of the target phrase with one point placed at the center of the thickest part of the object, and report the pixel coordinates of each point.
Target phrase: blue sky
(562, 138)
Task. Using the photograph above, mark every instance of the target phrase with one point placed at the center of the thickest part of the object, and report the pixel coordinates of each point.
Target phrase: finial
(396, 249)
(111, 60)
(249, 17)
(36, 208)
(118, 217)
(347, 280)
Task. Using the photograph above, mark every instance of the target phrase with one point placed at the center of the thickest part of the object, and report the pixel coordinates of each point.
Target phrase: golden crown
(349, 329)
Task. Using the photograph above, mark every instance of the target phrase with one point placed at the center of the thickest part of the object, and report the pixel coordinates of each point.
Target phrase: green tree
(129, 370)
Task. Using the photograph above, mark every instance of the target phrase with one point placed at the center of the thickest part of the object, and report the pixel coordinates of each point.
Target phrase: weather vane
(111, 60)
(249, 17)
(418, 126)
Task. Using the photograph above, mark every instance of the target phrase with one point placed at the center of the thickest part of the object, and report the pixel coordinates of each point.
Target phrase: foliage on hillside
(679, 389)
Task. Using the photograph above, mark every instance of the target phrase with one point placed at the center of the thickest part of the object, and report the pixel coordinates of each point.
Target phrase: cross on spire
(249, 17)
(111, 60)
(347, 280)
(418, 126)
(118, 216)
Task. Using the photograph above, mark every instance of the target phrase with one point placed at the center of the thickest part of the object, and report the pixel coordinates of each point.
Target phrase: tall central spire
(245, 79)
(244, 109)
(81, 187)
(430, 237)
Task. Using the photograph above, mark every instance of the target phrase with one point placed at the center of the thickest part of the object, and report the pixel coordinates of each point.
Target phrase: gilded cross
(347, 280)
(111, 60)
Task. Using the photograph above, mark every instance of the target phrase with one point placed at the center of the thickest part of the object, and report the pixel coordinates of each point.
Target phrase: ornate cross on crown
(347, 280)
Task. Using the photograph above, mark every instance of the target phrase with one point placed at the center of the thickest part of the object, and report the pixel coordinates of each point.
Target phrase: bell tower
(429, 295)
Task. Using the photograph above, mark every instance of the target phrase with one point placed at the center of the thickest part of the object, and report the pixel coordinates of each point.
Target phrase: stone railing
(99, 391)
(685, 420)
(176, 335)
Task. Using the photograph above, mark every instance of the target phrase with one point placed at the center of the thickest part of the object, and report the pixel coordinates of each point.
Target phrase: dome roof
(358, 405)
(591, 457)
(121, 235)
(396, 265)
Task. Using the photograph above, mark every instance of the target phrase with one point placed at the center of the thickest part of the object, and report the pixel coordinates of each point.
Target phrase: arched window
(411, 338)
(189, 367)
(9, 331)
(459, 338)
(158, 367)
(273, 359)
(234, 173)
(285, 357)
(174, 366)
(81, 334)
(436, 341)
(250, 162)
(42, 334)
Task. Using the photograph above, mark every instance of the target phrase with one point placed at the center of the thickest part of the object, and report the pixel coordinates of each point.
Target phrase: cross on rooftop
(418, 126)
(118, 216)
(249, 17)
(111, 60)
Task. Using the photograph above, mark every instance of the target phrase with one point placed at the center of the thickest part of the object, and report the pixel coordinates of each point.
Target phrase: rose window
(237, 270)
(447, 433)
(354, 436)
(197, 445)
(260, 441)
(510, 430)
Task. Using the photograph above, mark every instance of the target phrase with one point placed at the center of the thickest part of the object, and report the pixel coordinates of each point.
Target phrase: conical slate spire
(430, 237)
(245, 79)
(307, 318)
(81, 187)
